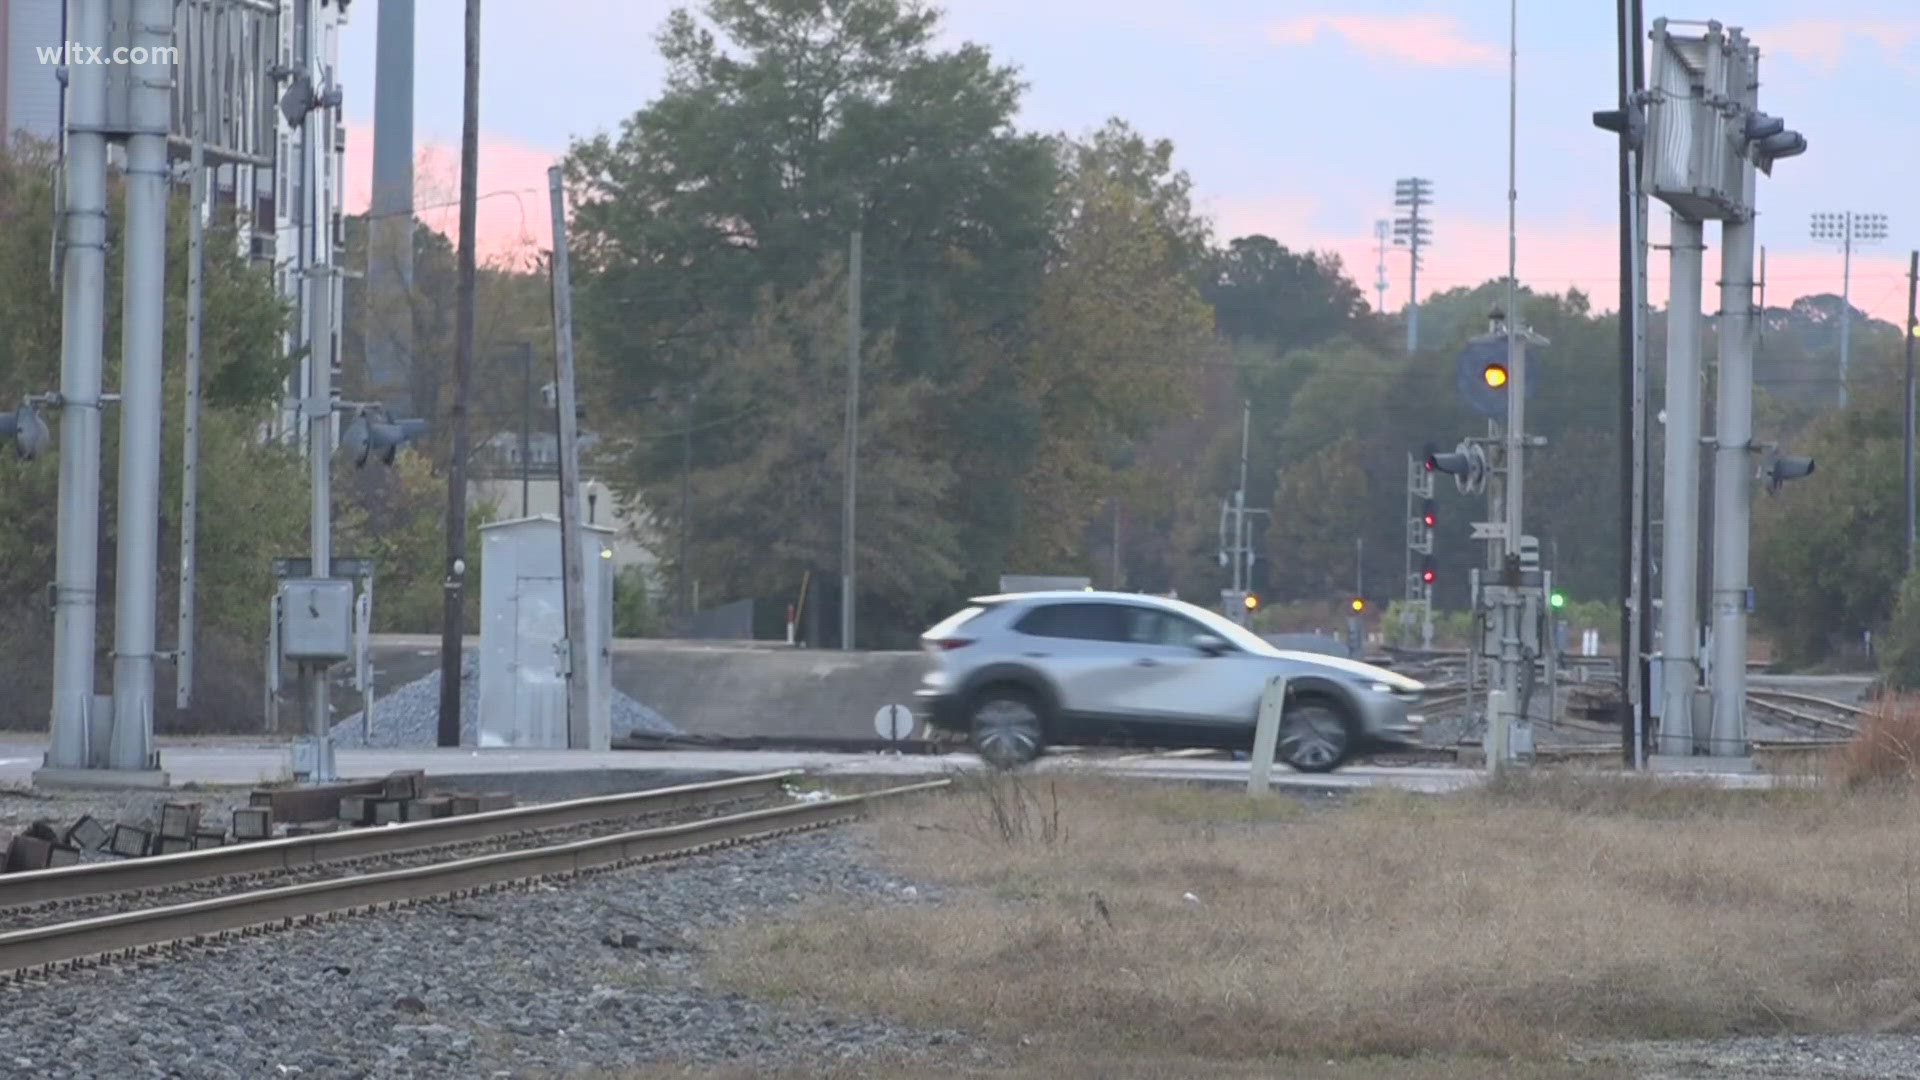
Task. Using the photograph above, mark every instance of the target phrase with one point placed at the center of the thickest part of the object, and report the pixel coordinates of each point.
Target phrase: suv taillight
(951, 643)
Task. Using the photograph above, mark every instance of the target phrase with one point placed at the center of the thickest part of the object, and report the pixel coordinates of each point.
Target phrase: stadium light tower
(1412, 195)
(1847, 228)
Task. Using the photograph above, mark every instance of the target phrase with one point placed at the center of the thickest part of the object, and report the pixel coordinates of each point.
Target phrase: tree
(785, 126)
(1119, 334)
(770, 513)
(1828, 553)
(1321, 506)
(252, 497)
(1261, 291)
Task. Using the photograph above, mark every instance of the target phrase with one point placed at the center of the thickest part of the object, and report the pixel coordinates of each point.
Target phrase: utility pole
(1912, 330)
(75, 742)
(317, 239)
(1508, 710)
(1412, 232)
(1237, 552)
(847, 591)
(526, 429)
(1632, 405)
(453, 617)
(389, 281)
(190, 425)
(1242, 570)
(142, 366)
(1848, 228)
(584, 728)
(1380, 234)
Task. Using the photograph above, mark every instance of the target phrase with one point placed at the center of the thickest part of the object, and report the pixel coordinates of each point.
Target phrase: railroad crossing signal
(1467, 464)
(1426, 570)
(1359, 606)
(371, 434)
(1251, 601)
(28, 432)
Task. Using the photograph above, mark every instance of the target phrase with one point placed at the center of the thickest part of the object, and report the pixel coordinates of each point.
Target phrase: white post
(1680, 671)
(82, 326)
(1496, 748)
(142, 367)
(1266, 736)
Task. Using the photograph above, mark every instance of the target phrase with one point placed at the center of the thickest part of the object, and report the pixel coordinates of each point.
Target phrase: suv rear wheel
(1007, 728)
(1315, 736)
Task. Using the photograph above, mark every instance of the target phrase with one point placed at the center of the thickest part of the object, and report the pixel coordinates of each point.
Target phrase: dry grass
(1076, 1062)
(1888, 746)
(1507, 923)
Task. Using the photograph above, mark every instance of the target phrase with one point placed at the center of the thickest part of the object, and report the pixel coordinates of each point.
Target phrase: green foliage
(1828, 552)
(637, 611)
(1900, 653)
(252, 497)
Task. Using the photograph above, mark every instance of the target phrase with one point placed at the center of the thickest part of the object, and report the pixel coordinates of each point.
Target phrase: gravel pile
(409, 715)
(596, 974)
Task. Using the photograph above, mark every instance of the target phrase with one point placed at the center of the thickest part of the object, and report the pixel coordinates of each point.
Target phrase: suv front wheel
(1007, 729)
(1315, 737)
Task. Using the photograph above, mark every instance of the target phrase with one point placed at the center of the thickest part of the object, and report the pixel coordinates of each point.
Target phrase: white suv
(1018, 672)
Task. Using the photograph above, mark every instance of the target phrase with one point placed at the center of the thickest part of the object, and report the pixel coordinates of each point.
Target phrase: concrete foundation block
(101, 778)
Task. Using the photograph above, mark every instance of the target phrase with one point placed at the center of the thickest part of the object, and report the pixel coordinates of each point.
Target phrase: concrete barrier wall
(732, 688)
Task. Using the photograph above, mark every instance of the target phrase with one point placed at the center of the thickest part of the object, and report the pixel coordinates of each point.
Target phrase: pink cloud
(512, 217)
(1428, 40)
(1824, 43)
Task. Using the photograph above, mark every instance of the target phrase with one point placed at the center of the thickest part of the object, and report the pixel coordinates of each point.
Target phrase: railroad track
(129, 934)
(1817, 712)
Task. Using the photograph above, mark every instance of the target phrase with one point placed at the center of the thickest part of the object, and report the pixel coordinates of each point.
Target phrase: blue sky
(1293, 118)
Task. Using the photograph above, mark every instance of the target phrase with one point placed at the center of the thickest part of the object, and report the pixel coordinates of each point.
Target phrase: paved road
(257, 761)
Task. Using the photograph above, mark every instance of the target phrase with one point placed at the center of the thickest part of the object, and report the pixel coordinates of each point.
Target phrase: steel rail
(128, 934)
(1808, 699)
(296, 852)
(1803, 717)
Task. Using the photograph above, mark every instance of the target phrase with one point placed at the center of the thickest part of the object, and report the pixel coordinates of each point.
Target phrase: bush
(1900, 653)
(1888, 746)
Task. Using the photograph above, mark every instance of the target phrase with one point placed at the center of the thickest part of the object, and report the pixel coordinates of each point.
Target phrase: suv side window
(1084, 622)
(1145, 626)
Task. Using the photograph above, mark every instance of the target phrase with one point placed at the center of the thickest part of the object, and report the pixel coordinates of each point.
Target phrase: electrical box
(525, 658)
(316, 619)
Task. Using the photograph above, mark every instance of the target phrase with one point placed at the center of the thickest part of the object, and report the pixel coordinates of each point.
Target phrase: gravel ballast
(409, 715)
(598, 973)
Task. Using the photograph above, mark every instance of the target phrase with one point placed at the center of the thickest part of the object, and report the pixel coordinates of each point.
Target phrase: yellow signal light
(1251, 601)
(1359, 605)
(1496, 375)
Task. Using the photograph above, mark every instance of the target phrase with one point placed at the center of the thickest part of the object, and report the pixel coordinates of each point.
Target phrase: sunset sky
(1294, 119)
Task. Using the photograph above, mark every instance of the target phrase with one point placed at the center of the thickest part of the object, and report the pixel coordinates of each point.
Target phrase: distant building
(496, 476)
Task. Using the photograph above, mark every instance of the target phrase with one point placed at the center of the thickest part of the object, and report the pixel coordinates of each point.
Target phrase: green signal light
(1558, 600)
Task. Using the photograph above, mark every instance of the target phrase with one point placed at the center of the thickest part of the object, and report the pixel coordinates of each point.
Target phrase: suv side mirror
(1209, 644)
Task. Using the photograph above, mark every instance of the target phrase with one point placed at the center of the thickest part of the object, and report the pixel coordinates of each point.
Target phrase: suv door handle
(1036, 655)
(1146, 661)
